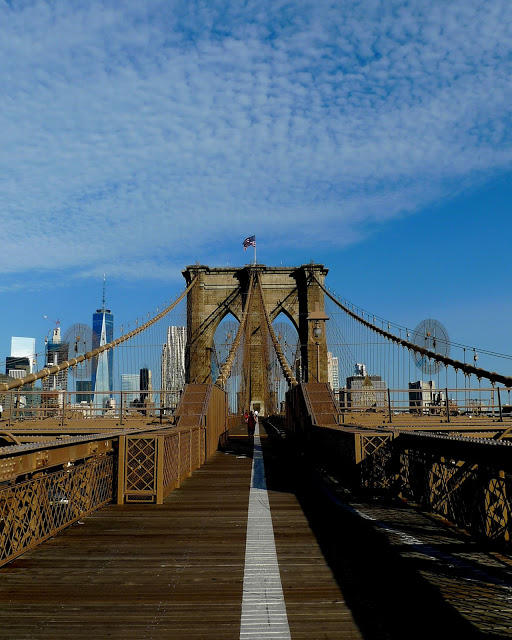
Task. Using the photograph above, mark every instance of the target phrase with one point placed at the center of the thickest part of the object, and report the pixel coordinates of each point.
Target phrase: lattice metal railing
(476, 497)
(467, 481)
(141, 454)
(155, 463)
(377, 461)
(34, 510)
(171, 471)
(497, 507)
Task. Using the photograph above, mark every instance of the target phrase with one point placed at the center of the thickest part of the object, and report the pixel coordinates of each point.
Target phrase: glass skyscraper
(173, 366)
(57, 352)
(102, 378)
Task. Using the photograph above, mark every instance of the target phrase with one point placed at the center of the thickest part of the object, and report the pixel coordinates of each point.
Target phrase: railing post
(121, 469)
(179, 459)
(64, 398)
(190, 452)
(121, 409)
(447, 406)
(160, 446)
(10, 410)
(389, 407)
(499, 405)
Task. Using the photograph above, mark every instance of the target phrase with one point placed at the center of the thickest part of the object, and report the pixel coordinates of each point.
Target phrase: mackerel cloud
(137, 127)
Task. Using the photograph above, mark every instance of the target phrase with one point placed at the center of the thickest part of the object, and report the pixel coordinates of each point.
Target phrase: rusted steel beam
(17, 465)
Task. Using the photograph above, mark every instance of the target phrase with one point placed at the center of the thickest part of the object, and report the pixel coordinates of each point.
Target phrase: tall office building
(367, 391)
(333, 375)
(24, 348)
(102, 379)
(425, 396)
(146, 386)
(83, 391)
(56, 353)
(17, 367)
(130, 386)
(173, 366)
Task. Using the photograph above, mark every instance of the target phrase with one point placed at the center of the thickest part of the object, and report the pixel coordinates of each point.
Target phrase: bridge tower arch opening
(294, 291)
(288, 337)
(223, 340)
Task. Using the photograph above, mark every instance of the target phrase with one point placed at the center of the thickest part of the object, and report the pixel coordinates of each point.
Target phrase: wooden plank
(175, 570)
(153, 571)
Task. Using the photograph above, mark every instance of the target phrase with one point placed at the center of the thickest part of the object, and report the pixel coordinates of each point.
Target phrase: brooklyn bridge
(373, 501)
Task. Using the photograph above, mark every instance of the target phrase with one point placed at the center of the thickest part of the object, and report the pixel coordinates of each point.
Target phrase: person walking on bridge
(251, 424)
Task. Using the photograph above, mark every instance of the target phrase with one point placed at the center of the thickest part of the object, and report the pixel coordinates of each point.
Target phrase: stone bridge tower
(293, 291)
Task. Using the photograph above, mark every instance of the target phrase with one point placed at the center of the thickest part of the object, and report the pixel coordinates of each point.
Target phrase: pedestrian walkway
(238, 553)
(171, 571)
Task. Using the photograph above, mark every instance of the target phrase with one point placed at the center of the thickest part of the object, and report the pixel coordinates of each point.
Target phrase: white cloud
(158, 130)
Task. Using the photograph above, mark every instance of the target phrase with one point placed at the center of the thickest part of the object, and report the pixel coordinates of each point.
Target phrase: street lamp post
(317, 319)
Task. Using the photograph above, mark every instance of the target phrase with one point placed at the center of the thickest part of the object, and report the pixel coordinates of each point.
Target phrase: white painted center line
(263, 606)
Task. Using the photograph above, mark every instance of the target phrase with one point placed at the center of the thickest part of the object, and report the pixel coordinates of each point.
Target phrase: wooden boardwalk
(176, 570)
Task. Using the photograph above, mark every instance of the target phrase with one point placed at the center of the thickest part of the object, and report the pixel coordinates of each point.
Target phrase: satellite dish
(79, 338)
(430, 334)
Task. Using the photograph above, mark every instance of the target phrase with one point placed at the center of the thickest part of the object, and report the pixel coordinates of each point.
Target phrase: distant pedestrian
(1, 411)
(246, 416)
(256, 416)
(251, 425)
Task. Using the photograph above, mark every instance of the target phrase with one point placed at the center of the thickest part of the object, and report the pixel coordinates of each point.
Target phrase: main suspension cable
(468, 369)
(49, 371)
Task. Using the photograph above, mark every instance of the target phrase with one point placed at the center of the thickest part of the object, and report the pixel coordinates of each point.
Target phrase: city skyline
(375, 141)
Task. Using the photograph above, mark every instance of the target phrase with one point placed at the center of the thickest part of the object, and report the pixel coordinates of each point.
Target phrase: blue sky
(374, 137)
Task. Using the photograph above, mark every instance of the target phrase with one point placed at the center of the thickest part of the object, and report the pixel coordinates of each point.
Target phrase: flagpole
(255, 252)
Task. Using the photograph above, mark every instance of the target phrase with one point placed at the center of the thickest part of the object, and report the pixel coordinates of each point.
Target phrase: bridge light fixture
(317, 318)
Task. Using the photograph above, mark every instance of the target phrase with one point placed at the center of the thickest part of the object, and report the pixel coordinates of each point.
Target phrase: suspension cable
(468, 369)
(288, 373)
(225, 370)
(49, 371)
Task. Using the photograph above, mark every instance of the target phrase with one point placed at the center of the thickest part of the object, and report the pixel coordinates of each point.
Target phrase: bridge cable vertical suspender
(468, 369)
(288, 373)
(268, 396)
(225, 370)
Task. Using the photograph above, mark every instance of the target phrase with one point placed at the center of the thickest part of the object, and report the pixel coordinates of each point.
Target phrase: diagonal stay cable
(468, 369)
(225, 370)
(48, 371)
(288, 373)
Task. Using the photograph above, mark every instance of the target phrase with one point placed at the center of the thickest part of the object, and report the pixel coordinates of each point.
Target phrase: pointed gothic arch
(294, 291)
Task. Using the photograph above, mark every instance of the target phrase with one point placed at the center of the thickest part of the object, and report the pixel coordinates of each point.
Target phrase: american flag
(249, 242)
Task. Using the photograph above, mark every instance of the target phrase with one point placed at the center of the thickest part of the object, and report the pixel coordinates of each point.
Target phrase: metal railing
(35, 509)
(47, 485)
(424, 405)
(153, 464)
(62, 406)
(466, 478)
